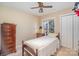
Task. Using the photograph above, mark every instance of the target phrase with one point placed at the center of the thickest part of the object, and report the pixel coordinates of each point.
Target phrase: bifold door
(76, 32)
(67, 31)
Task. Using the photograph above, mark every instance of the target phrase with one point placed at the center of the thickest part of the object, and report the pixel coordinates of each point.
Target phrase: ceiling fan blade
(40, 4)
(41, 10)
(47, 6)
(34, 7)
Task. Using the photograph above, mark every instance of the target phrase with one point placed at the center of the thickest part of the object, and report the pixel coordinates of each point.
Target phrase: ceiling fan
(41, 6)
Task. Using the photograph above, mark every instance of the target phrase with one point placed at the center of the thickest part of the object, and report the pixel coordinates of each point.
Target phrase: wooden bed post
(36, 52)
(22, 48)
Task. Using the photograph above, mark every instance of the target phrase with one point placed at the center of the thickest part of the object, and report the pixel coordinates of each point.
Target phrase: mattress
(41, 42)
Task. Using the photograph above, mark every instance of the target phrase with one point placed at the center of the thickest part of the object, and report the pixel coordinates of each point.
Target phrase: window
(48, 26)
(51, 26)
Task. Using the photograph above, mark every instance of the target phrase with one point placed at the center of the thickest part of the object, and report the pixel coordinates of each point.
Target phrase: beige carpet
(62, 52)
(66, 52)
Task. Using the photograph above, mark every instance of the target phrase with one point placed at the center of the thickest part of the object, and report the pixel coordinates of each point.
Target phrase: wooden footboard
(30, 51)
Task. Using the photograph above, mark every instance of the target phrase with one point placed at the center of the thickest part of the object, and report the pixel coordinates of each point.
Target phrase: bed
(42, 46)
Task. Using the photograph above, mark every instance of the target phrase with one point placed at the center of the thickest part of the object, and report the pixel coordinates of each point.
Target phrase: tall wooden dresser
(8, 38)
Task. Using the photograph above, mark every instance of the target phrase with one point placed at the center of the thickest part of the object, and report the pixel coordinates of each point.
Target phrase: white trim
(67, 14)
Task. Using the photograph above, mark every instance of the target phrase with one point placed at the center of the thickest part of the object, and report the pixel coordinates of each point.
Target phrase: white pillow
(52, 34)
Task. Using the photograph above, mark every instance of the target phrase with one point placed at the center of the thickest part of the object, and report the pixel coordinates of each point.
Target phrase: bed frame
(30, 51)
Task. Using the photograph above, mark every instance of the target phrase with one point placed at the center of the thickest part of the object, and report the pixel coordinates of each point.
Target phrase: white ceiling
(25, 6)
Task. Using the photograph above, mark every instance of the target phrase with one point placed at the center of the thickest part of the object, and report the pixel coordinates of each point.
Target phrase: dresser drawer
(7, 30)
(8, 34)
(10, 46)
(12, 50)
(9, 42)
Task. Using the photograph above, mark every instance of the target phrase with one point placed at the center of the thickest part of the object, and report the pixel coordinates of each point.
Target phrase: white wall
(26, 24)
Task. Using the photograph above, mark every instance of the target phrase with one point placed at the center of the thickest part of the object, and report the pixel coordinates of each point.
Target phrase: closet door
(66, 31)
(76, 32)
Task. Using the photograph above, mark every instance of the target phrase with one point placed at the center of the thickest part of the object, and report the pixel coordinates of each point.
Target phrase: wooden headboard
(58, 36)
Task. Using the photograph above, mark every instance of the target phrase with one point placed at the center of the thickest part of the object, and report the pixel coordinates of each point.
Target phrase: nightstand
(39, 34)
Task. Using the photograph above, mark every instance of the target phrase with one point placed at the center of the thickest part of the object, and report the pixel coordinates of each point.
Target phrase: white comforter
(45, 45)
